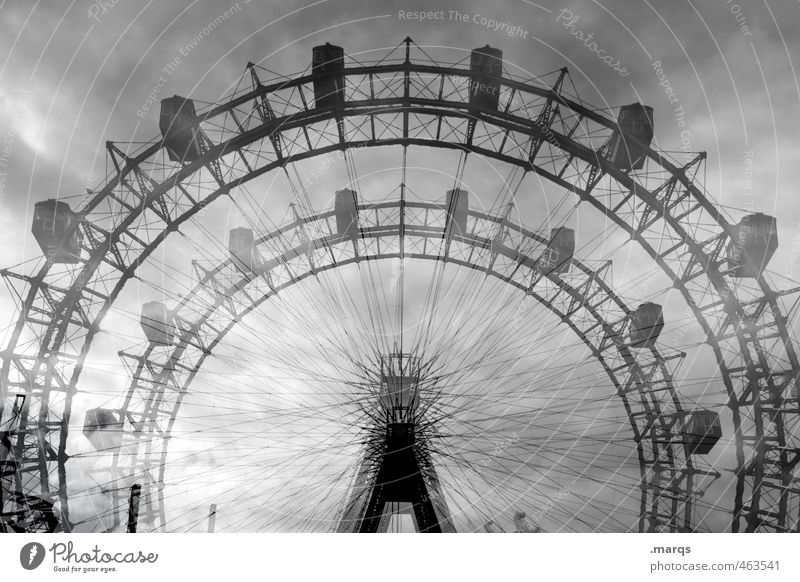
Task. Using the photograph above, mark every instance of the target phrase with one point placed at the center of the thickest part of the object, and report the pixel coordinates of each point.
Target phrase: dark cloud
(73, 75)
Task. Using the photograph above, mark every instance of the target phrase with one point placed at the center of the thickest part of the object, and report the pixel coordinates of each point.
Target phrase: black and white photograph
(293, 270)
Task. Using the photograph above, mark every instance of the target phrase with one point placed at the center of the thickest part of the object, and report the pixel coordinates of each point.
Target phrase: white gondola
(241, 244)
(156, 322)
(346, 211)
(457, 206)
(557, 257)
(103, 428)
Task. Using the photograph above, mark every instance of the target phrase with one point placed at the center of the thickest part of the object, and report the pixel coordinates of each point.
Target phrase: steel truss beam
(224, 296)
(664, 212)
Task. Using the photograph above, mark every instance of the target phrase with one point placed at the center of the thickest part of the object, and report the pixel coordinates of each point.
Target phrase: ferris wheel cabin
(701, 431)
(156, 322)
(522, 524)
(457, 205)
(753, 242)
(647, 321)
(327, 62)
(102, 427)
(560, 250)
(486, 70)
(53, 223)
(346, 211)
(241, 245)
(178, 124)
(398, 394)
(634, 121)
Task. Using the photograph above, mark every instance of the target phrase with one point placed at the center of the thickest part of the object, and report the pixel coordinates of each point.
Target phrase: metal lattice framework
(495, 246)
(409, 103)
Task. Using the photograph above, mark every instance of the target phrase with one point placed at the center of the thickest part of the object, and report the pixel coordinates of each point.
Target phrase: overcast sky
(74, 74)
(719, 74)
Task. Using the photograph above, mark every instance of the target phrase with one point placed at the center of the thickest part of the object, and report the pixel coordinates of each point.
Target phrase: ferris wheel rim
(731, 300)
(633, 369)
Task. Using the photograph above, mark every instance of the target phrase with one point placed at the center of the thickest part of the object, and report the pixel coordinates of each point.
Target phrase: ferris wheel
(400, 294)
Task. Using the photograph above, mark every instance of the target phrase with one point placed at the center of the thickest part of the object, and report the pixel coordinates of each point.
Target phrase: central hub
(397, 477)
(399, 435)
(398, 395)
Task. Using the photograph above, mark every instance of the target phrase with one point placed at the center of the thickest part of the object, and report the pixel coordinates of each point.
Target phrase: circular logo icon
(31, 555)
